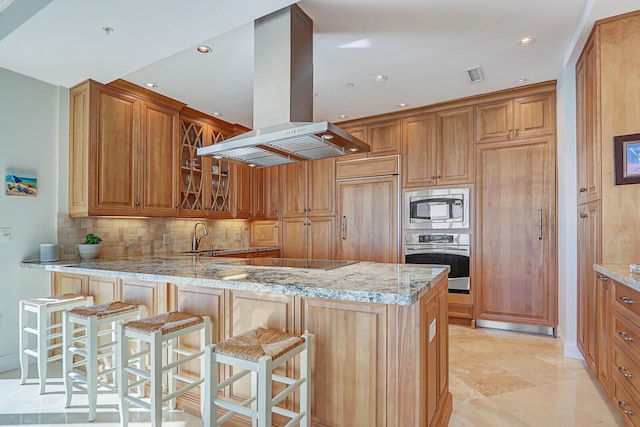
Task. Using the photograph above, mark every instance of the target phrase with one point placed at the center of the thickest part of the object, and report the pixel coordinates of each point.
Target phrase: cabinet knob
(625, 336)
(438, 176)
(583, 190)
(137, 203)
(583, 215)
(509, 130)
(275, 211)
(604, 279)
(626, 300)
(623, 370)
(622, 403)
(433, 177)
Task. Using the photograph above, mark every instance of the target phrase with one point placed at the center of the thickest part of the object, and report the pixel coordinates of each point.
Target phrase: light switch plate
(166, 239)
(5, 234)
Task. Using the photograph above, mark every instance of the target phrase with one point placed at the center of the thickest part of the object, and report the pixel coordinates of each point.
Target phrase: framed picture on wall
(20, 184)
(626, 155)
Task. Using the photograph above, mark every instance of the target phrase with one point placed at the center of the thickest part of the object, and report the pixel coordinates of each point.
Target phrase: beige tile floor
(501, 379)
(497, 378)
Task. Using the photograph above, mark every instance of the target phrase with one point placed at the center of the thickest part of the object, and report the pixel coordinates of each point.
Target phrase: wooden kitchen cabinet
(589, 137)
(122, 152)
(241, 185)
(368, 219)
(310, 238)
(603, 331)
(308, 188)
(265, 192)
(588, 254)
(437, 148)
(515, 273)
(514, 119)
(264, 233)
(382, 136)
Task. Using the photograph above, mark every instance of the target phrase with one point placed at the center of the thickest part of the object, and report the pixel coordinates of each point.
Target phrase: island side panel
(202, 302)
(349, 364)
(243, 311)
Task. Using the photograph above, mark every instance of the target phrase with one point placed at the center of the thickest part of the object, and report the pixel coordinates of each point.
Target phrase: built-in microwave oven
(436, 208)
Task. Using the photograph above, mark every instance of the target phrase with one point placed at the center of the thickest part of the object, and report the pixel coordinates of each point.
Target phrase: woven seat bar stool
(158, 332)
(44, 330)
(258, 352)
(83, 347)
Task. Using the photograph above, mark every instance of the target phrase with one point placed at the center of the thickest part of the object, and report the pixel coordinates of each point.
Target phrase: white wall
(29, 121)
(567, 211)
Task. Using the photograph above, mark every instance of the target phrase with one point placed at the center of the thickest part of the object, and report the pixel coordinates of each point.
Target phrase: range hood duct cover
(284, 131)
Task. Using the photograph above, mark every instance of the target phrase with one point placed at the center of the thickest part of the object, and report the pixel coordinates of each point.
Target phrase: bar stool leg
(67, 356)
(210, 413)
(205, 334)
(254, 394)
(156, 379)
(42, 347)
(24, 341)
(92, 366)
(123, 390)
(305, 393)
(171, 378)
(264, 391)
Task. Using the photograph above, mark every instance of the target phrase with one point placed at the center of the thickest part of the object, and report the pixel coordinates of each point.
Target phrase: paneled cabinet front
(121, 154)
(518, 118)
(311, 238)
(308, 188)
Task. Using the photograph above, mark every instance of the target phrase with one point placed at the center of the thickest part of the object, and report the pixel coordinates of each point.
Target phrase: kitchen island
(380, 330)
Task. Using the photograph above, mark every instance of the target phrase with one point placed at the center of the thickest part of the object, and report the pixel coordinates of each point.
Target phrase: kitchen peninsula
(380, 330)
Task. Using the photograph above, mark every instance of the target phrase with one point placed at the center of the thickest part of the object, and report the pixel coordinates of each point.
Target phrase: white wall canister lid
(49, 252)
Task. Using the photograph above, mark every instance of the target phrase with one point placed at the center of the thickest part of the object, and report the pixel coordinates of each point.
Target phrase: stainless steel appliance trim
(436, 224)
(516, 327)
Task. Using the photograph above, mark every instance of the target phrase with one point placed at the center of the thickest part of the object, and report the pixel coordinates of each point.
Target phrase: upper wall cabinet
(438, 148)
(308, 188)
(122, 154)
(383, 137)
(525, 117)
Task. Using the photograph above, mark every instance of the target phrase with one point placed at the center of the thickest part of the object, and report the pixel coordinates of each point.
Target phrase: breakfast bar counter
(380, 330)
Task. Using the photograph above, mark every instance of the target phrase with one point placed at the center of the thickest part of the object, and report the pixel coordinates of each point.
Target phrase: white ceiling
(423, 46)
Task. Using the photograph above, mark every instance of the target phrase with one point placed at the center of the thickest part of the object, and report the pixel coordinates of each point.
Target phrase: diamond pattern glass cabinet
(192, 136)
(220, 200)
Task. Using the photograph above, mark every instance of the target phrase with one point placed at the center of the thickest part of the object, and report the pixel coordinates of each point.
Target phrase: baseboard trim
(571, 350)
(9, 362)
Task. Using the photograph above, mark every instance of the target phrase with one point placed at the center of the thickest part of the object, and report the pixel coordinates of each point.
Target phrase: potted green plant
(90, 249)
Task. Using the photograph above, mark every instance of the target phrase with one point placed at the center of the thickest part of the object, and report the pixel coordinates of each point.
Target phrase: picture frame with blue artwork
(20, 184)
(626, 155)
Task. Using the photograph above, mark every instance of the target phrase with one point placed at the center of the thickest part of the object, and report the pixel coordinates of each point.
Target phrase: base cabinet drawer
(464, 311)
(626, 403)
(625, 333)
(626, 300)
(625, 369)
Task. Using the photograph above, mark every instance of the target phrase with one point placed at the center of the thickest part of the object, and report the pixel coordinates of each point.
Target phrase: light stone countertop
(396, 284)
(619, 273)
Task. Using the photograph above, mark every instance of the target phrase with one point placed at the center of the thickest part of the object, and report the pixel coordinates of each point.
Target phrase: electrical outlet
(132, 240)
(166, 239)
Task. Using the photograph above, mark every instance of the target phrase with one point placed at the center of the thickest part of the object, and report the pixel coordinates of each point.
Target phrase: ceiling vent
(475, 74)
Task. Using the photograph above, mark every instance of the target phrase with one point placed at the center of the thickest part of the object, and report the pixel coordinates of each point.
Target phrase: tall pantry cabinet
(608, 105)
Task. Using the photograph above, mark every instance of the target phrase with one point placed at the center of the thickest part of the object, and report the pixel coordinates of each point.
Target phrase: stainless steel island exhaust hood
(284, 131)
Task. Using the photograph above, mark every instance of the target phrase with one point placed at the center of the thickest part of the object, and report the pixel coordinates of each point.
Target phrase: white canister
(49, 252)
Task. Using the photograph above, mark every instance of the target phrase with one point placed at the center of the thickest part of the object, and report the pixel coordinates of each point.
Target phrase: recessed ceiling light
(251, 165)
(354, 149)
(217, 157)
(349, 85)
(520, 81)
(343, 116)
(526, 41)
(203, 49)
(150, 84)
(380, 78)
(215, 113)
(107, 30)
(402, 105)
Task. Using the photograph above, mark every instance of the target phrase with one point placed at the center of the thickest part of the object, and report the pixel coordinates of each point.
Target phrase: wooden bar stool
(83, 343)
(44, 330)
(258, 352)
(159, 331)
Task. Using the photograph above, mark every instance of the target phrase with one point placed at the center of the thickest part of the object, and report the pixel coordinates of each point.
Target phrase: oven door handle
(448, 250)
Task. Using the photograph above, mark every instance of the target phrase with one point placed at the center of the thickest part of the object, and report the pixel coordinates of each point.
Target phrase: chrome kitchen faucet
(196, 240)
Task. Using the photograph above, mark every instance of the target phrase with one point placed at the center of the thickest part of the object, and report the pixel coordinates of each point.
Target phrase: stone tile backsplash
(144, 236)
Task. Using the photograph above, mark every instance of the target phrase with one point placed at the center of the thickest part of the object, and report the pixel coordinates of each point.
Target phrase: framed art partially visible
(20, 184)
(626, 157)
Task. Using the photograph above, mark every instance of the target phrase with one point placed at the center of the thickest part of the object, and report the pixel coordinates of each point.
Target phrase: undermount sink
(204, 252)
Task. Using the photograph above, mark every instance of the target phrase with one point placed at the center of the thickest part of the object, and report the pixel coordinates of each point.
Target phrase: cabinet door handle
(623, 370)
(626, 300)
(622, 403)
(343, 228)
(583, 190)
(583, 215)
(539, 224)
(625, 336)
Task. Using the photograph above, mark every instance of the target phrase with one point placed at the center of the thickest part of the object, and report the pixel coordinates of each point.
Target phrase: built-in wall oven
(444, 248)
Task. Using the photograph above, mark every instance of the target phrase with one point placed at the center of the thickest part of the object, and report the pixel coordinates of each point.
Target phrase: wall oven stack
(436, 224)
